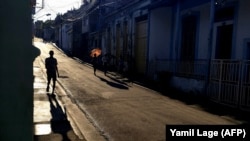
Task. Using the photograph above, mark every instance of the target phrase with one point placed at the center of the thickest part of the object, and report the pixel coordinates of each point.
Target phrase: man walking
(94, 62)
(52, 71)
(105, 64)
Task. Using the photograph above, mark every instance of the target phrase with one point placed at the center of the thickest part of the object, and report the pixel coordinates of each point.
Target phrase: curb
(84, 127)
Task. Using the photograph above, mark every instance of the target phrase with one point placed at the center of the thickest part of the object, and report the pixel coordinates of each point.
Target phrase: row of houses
(203, 45)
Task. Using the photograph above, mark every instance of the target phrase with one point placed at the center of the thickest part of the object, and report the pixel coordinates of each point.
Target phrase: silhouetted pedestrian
(52, 70)
(94, 63)
(105, 64)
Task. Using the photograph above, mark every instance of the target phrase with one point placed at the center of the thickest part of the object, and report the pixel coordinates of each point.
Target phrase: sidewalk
(50, 119)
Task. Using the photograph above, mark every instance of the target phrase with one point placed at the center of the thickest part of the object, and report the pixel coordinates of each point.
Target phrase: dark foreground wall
(16, 71)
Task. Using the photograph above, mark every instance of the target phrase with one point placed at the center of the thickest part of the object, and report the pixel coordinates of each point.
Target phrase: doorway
(224, 36)
(141, 45)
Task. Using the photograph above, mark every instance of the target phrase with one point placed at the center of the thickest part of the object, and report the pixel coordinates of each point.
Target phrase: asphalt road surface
(123, 111)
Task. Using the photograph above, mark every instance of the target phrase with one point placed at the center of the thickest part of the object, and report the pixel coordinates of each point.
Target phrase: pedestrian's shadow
(113, 84)
(63, 76)
(59, 122)
(116, 80)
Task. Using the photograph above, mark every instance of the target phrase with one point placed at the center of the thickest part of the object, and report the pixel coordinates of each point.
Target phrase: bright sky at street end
(54, 7)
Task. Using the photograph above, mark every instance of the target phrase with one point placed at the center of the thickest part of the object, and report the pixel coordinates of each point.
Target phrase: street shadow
(200, 101)
(59, 122)
(207, 104)
(63, 76)
(113, 84)
(118, 81)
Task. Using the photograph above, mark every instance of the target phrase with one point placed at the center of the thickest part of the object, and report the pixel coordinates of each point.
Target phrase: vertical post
(220, 78)
(131, 62)
(176, 45)
(61, 45)
(210, 41)
(240, 92)
(42, 4)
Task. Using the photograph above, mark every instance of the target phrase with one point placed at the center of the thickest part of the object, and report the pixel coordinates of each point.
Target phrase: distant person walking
(94, 63)
(52, 70)
(105, 64)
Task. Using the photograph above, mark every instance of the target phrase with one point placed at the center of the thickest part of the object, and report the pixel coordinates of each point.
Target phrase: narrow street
(123, 111)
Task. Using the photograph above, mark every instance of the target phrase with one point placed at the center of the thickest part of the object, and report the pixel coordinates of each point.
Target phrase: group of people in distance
(95, 63)
(52, 69)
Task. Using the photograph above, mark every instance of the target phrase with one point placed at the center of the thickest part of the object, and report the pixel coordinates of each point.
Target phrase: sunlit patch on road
(42, 129)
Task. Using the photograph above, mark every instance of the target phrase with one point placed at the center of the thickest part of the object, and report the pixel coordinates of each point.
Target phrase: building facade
(201, 45)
